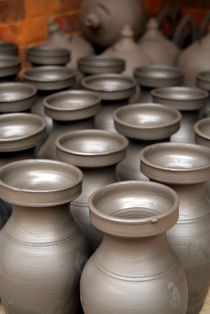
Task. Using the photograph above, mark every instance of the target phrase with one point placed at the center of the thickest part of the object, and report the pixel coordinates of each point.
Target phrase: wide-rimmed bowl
(156, 75)
(110, 86)
(9, 65)
(176, 163)
(49, 78)
(146, 121)
(16, 97)
(8, 48)
(181, 97)
(72, 105)
(134, 208)
(100, 64)
(48, 55)
(91, 148)
(20, 131)
(39, 182)
(202, 132)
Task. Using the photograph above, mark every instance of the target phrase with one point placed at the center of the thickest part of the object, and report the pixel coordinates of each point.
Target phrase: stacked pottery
(69, 110)
(189, 100)
(154, 76)
(160, 49)
(9, 68)
(20, 133)
(8, 48)
(42, 251)
(143, 124)
(126, 49)
(186, 168)
(203, 81)
(97, 153)
(16, 97)
(115, 91)
(133, 270)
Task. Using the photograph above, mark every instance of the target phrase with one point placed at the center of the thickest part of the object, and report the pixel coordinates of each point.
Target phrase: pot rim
(43, 50)
(198, 130)
(14, 61)
(16, 84)
(70, 74)
(114, 61)
(134, 221)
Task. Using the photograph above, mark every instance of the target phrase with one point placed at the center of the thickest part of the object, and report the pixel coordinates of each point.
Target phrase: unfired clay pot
(203, 81)
(69, 110)
(43, 252)
(154, 44)
(189, 100)
(186, 168)
(143, 124)
(102, 21)
(9, 67)
(126, 48)
(133, 270)
(8, 48)
(115, 91)
(154, 76)
(96, 152)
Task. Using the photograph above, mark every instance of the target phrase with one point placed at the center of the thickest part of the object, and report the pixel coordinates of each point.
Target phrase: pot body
(123, 274)
(93, 179)
(48, 149)
(190, 241)
(185, 134)
(38, 109)
(42, 257)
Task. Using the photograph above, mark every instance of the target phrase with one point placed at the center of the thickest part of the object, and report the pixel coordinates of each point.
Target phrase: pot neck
(40, 224)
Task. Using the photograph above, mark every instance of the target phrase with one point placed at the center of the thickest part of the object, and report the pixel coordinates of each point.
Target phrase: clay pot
(9, 67)
(115, 91)
(96, 152)
(47, 55)
(143, 124)
(154, 44)
(8, 48)
(76, 44)
(43, 252)
(102, 21)
(153, 76)
(100, 65)
(16, 97)
(186, 168)
(203, 81)
(69, 110)
(126, 49)
(134, 261)
(189, 100)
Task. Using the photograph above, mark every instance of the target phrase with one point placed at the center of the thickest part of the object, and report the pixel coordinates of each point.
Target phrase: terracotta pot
(126, 48)
(8, 48)
(69, 110)
(186, 168)
(96, 152)
(153, 76)
(16, 97)
(189, 100)
(134, 260)
(203, 81)
(143, 124)
(43, 252)
(115, 91)
(102, 23)
(154, 44)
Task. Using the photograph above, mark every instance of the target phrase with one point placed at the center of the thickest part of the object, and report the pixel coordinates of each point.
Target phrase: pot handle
(171, 17)
(204, 25)
(178, 37)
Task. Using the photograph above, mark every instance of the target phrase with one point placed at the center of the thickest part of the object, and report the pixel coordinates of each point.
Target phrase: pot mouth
(109, 84)
(8, 47)
(48, 51)
(143, 117)
(202, 128)
(75, 102)
(15, 128)
(203, 80)
(133, 204)
(15, 92)
(48, 74)
(158, 75)
(96, 144)
(9, 61)
(183, 98)
(101, 64)
(39, 182)
(177, 163)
